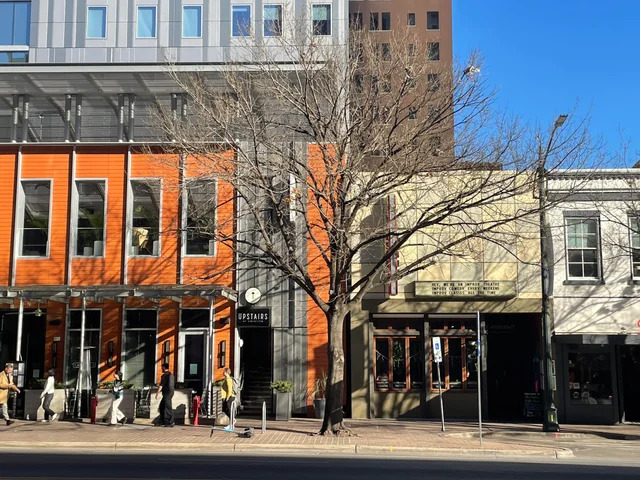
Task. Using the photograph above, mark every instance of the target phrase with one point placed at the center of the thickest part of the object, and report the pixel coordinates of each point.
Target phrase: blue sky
(545, 56)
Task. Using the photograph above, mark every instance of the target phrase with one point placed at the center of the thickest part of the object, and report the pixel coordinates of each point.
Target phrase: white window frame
(106, 22)
(200, 7)
(185, 199)
(155, 7)
(281, 19)
(123, 340)
(250, 19)
(633, 218)
(75, 210)
(183, 332)
(19, 226)
(597, 249)
(65, 378)
(130, 199)
(313, 30)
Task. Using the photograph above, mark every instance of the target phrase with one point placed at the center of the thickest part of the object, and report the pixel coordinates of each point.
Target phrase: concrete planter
(33, 404)
(283, 406)
(181, 406)
(127, 406)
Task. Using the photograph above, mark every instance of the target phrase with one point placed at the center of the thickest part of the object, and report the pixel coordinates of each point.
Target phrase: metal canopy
(63, 293)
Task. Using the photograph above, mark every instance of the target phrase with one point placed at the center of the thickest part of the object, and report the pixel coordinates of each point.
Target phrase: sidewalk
(373, 437)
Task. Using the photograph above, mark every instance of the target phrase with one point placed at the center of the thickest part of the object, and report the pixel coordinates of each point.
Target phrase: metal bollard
(94, 408)
(264, 417)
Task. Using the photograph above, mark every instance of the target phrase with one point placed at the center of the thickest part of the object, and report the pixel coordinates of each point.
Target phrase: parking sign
(437, 351)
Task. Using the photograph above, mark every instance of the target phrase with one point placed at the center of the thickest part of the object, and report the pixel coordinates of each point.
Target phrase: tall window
(434, 82)
(433, 20)
(374, 21)
(582, 248)
(386, 21)
(321, 19)
(192, 21)
(97, 22)
(355, 21)
(145, 218)
(433, 51)
(147, 22)
(35, 226)
(15, 27)
(91, 344)
(459, 367)
(91, 215)
(399, 364)
(634, 230)
(590, 378)
(201, 217)
(272, 20)
(386, 51)
(241, 21)
(140, 347)
(411, 19)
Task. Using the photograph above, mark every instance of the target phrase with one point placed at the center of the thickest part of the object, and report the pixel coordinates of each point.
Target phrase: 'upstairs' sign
(253, 317)
(461, 290)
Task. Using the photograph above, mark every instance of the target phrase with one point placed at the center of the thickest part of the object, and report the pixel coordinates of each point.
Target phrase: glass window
(582, 248)
(14, 57)
(374, 21)
(386, 51)
(201, 217)
(590, 379)
(459, 367)
(433, 20)
(386, 21)
(433, 51)
(35, 227)
(145, 219)
(272, 20)
(140, 347)
(412, 113)
(355, 21)
(411, 19)
(399, 363)
(97, 22)
(411, 49)
(434, 82)
(16, 23)
(91, 215)
(91, 342)
(321, 19)
(192, 21)
(194, 318)
(634, 227)
(241, 21)
(147, 22)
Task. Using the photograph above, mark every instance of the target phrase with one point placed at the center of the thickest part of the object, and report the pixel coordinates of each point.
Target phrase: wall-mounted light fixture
(110, 348)
(166, 351)
(222, 354)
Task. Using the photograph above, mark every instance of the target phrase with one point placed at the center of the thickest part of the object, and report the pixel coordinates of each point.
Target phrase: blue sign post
(437, 357)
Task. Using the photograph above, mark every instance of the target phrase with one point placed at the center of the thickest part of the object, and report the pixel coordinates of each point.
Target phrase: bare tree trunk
(333, 414)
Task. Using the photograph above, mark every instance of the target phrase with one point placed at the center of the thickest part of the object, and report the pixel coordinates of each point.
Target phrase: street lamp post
(550, 417)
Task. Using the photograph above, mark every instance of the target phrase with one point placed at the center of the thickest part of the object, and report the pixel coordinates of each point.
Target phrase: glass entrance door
(193, 366)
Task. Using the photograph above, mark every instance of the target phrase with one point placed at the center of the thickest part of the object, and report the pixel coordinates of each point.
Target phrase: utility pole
(550, 416)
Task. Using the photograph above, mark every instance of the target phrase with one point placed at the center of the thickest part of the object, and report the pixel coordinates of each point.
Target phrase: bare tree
(351, 151)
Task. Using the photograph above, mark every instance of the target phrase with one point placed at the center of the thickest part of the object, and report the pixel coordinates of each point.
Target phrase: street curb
(309, 448)
(546, 435)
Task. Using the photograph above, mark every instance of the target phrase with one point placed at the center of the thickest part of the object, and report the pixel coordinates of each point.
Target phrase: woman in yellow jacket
(228, 397)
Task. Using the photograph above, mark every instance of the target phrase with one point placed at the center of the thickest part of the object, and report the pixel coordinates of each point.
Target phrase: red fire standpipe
(196, 410)
(94, 408)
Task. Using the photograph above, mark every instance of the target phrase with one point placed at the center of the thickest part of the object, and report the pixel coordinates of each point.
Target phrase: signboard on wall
(253, 317)
(459, 290)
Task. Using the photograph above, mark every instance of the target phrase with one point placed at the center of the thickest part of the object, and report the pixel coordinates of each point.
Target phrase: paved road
(235, 467)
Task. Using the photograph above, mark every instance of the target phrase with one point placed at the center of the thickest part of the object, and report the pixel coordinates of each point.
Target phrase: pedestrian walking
(47, 396)
(228, 398)
(117, 394)
(167, 387)
(6, 384)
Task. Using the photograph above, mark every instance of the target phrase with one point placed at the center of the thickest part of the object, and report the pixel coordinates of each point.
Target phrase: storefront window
(398, 363)
(91, 342)
(140, 347)
(590, 379)
(459, 367)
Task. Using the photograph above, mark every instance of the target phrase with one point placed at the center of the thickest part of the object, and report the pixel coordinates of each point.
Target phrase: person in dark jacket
(117, 395)
(167, 387)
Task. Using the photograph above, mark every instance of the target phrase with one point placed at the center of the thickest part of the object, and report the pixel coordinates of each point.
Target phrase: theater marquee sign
(463, 290)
